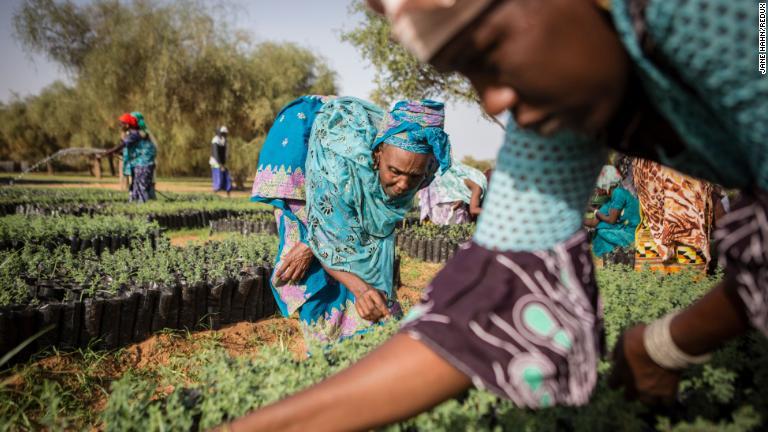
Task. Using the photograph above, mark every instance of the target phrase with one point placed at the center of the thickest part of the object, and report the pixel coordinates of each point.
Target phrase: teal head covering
(350, 219)
(417, 126)
(140, 120)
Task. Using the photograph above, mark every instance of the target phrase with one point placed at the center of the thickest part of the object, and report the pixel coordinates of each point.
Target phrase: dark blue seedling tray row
(435, 249)
(99, 244)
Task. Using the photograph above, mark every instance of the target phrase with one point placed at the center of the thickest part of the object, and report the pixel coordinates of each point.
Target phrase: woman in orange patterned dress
(676, 219)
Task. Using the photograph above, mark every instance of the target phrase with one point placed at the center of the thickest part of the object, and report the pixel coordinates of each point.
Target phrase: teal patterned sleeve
(712, 45)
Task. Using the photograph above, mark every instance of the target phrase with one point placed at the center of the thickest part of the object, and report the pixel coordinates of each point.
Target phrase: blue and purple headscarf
(417, 126)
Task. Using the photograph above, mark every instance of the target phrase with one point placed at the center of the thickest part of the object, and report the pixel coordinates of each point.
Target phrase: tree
(398, 74)
(177, 63)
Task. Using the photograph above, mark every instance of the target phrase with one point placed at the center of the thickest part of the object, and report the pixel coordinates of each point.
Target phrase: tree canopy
(176, 62)
(398, 74)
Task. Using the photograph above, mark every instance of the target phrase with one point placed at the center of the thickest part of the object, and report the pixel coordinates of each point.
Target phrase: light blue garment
(339, 209)
(715, 97)
(139, 150)
(280, 173)
(622, 233)
(351, 220)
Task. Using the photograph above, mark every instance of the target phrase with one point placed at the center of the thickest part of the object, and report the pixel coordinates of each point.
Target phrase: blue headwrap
(417, 126)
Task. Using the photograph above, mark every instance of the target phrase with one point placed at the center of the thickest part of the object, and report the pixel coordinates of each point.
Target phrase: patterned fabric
(647, 255)
(351, 220)
(539, 189)
(142, 184)
(450, 187)
(677, 209)
(417, 126)
(609, 177)
(326, 308)
(281, 172)
(741, 238)
(526, 326)
(622, 233)
(703, 78)
(348, 220)
(139, 150)
(446, 214)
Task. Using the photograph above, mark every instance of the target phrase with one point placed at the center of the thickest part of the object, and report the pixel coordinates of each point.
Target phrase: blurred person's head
(127, 121)
(553, 63)
(608, 180)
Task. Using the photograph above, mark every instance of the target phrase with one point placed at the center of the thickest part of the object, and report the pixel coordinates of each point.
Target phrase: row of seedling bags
(68, 209)
(194, 219)
(244, 226)
(430, 249)
(109, 321)
(181, 220)
(437, 249)
(99, 244)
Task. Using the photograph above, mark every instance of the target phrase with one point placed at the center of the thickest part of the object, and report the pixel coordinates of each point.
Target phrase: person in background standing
(138, 159)
(218, 161)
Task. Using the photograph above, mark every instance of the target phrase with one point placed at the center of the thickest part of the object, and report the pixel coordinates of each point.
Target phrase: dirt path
(199, 236)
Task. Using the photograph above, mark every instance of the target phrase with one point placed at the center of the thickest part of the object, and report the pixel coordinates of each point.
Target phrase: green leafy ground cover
(81, 196)
(200, 389)
(54, 230)
(456, 233)
(106, 202)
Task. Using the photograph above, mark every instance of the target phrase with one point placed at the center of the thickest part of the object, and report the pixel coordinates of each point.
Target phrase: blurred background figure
(454, 197)
(676, 218)
(218, 161)
(616, 220)
(139, 153)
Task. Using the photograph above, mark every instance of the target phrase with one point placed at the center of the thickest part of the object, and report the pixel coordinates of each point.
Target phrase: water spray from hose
(57, 155)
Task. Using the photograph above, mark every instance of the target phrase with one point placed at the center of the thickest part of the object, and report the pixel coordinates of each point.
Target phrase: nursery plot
(172, 210)
(727, 394)
(117, 298)
(99, 233)
(433, 243)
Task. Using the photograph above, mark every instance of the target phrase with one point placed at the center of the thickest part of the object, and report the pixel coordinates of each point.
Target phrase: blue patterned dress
(317, 170)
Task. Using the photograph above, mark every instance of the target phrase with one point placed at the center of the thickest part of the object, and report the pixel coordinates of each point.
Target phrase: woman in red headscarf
(139, 159)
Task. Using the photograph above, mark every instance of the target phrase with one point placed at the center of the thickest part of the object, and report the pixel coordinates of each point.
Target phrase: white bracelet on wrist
(659, 345)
